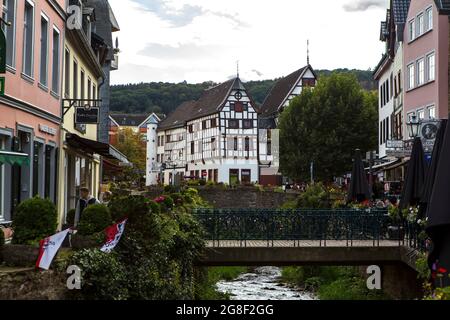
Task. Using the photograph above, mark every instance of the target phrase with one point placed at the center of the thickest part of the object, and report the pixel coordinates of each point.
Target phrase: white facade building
(214, 138)
(152, 168)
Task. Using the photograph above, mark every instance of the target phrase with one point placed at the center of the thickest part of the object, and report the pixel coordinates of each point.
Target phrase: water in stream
(262, 284)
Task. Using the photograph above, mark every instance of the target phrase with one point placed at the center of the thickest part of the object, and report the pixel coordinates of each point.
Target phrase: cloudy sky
(201, 40)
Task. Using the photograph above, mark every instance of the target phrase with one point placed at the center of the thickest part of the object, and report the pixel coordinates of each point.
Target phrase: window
(204, 124)
(419, 25)
(75, 80)
(44, 51)
(239, 107)
(309, 82)
(233, 124)
(247, 124)
(411, 30)
(432, 112)
(213, 123)
(168, 139)
(247, 144)
(89, 94)
(67, 72)
(431, 67)
(235, 144)
(213, 144)
(429, 18)
(82, 85)
(420, 72)
(400, 81)
(421, 114)
(28, 32)
(411, 76)
(9, 14)
(55, 61)
(94, 92)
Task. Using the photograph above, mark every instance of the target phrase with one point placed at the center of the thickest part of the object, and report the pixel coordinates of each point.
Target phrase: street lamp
(413, 127)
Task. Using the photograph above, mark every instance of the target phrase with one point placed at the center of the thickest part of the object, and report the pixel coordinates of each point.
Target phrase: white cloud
(201, 40)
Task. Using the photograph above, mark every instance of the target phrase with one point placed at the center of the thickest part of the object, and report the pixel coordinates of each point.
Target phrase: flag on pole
(48, 249)
(113, 235)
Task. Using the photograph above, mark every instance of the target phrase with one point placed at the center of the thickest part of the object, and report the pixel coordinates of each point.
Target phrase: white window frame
(421, 112)
(431, 76)
(13, 26)
(410, 76)
(429, 108)
(411, 30)
(60, 59)
(31, 3)
(420, 27)
(45, 83)
(429, 18)
(420, 71)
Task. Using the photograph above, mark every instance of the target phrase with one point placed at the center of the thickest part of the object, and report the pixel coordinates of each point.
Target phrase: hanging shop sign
(87, 115)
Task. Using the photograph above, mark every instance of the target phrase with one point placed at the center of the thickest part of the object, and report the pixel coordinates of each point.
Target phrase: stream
(263, 284)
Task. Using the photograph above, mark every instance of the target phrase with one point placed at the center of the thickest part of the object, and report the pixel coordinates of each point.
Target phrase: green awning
(12, 158)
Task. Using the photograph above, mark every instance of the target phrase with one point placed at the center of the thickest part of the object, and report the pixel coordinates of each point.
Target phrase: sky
(203, 40)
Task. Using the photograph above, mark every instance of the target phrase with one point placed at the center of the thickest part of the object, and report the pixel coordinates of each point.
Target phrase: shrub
(169, 189)
(154, 207)
(103, 276)
(131, 207)
(34, 220)
(202, 182)
(177, 198)
(168, 202)
(94, 219)
(314, 197)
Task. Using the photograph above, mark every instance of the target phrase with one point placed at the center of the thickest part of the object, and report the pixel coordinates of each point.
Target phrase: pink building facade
(425, 62)
(30, 109)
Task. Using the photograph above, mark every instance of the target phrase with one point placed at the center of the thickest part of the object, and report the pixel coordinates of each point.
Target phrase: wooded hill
(163, 98)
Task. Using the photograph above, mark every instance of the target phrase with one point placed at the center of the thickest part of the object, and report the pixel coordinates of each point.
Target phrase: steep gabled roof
(280, 91)
(177, 118)
(129, 120)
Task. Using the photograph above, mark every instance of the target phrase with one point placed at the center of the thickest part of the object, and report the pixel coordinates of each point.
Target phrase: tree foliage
(325, 125)
(132, 145)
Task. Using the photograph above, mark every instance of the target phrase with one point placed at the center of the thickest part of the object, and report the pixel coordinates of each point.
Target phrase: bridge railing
(271, 225)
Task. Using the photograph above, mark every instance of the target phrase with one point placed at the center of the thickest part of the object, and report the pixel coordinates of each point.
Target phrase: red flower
(442, 270)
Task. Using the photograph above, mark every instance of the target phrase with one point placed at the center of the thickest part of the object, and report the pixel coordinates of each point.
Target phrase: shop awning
(92, 146)
(14, 158)
(384, 166)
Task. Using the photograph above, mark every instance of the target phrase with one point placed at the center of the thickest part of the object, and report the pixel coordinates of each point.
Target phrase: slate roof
(279, 92)
(209, 103)
(443, 6)
(400, 8)
(179, 117)
(129, 120)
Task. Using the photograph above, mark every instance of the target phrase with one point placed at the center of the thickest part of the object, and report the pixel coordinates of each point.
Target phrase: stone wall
(244, 197)
(30, 284)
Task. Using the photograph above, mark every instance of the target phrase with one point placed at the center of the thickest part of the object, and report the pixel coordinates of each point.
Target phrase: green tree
(325, 125)
(132, 145)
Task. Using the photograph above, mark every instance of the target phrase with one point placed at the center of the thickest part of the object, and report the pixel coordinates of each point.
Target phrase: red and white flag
(48, 249)
(113, 235)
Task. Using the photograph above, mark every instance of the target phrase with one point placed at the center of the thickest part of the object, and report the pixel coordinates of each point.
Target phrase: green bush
(34, 219)
(169, 189)
(202, 182)
(94, 219)
(154, 207)
(103, 276)
(177, 198)
(168, 202)
(131, 207)
(314, 197)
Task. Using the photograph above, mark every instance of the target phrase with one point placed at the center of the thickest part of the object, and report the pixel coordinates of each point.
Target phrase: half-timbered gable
(279, 97)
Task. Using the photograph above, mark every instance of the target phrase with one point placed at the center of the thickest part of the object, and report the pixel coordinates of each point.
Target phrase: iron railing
(271, 225)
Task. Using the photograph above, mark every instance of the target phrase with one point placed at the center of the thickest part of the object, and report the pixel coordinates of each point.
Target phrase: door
(246, 176)
(234, 177)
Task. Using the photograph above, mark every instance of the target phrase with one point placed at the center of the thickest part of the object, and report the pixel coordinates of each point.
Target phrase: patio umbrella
(431, 174)
(415, 176)
(438, 213)
(359, 187)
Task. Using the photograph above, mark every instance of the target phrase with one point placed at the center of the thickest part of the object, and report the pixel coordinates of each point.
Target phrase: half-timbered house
(216, 137)
(281, 94)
